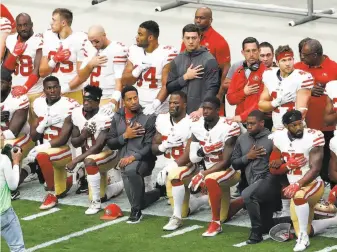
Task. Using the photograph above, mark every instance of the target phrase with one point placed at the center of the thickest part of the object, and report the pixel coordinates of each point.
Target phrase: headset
(253, 67)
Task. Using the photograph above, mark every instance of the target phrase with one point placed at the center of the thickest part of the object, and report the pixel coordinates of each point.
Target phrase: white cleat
(30, 177)
(302, 242)
(173, 224)
(94, 208)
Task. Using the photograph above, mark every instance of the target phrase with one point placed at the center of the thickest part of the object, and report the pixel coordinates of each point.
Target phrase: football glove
(162, 175)
(288, 97)
(196, 181)
(296, 163)
(140, 68)
(152, 108)
(291, 190)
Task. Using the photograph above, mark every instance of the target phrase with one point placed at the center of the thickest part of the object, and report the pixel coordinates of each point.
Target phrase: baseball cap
(112, 212)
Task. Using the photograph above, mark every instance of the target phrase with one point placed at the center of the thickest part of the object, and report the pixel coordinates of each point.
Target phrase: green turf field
(145, 236)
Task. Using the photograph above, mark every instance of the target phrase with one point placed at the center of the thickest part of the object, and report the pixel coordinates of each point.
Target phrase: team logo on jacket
(256, 78)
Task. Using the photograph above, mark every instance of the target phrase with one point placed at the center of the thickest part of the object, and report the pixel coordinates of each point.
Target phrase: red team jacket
(236, 96)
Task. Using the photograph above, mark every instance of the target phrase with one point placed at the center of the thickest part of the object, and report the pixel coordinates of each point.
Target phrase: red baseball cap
(112, 212)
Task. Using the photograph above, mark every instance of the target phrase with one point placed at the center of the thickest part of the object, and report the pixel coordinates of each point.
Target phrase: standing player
(213, 141)
(90, 128)
(25, 52)
(50, 116)
(171, 139)
(148, 66)
(302, 152)
(14, 114)
(106, 67)
(63, 52)
(285, 87)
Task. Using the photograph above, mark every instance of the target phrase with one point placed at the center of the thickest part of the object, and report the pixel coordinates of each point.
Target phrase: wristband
(116, 95)
(10, 62)
(52, 63)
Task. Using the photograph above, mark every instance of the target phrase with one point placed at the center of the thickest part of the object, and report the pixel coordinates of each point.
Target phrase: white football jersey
(331, 92)
(12, 104)
(166, 127)
(25, 65)
(149, 83)
(5, 25)
(214, 140)
(79, 47)
(297, 148)
(103, 122)
(105, 76)
(63, 108)
(277, 87)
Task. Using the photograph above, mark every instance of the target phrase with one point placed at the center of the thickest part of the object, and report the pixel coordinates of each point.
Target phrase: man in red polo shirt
(323, 70)
(215, 43)
(246, 85)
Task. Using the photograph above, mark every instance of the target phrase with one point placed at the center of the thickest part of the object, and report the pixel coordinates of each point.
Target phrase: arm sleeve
(174, 81)
(114, 141)
(150, 131)
(238, 160)
(12, 175)
(245, 114)
(194, 147)
(212, 78)
(235, 94)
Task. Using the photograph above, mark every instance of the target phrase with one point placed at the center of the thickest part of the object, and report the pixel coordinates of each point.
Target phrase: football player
(90, 127)
(285, 88)
(301, 150)
(14, 114)
(148, 66)
(51, 122)
(173, 133)
(63, 52)
(213, 141)
(7, 26)
(25, 52)
(105, 68)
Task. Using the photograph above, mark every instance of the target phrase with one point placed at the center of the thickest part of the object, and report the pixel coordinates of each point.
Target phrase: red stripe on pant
(47, 169)
(214, 193)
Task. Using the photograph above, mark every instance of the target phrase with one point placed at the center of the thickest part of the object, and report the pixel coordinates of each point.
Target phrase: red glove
(291, 190)
(62, 55)
(19, 48)
(196, 181)
(296, 163)
(19, 90)
(333, 195)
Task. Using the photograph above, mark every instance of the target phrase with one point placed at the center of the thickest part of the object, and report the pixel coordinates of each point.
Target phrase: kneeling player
(173, 132)
(90, 127)
(14, 115)
(302, 152)
(51, 122)
(213, 141)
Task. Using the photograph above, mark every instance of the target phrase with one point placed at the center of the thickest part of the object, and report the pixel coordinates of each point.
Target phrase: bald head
(315, 46)
(96, 30)
(23, 16)
(97, 37)
(205, 10)
(24, 26)
(203, 18)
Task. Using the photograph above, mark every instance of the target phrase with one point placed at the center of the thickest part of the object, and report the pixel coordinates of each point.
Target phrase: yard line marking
(327, 249)
(34, 216)
(241, 244)
(76, 234)
(182, 231)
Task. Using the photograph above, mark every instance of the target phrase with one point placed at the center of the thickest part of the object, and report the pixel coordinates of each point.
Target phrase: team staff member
(251, 155)
(267, 54)
(214, 42)
(9, 180)
(131, 134)
(323, 69)
(194, 71)
(246, 85)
